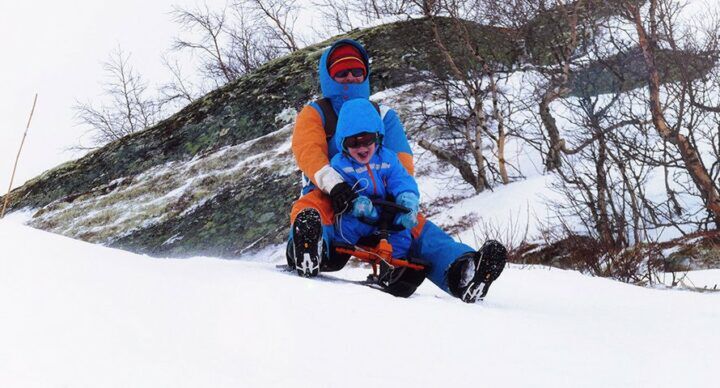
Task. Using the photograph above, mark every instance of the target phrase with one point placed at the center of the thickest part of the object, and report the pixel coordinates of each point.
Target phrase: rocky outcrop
(247, 108)
(218, 177)
(626, 71)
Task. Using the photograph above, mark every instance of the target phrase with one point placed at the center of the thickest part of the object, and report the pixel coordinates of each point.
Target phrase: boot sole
(307, 243)
(490, 266)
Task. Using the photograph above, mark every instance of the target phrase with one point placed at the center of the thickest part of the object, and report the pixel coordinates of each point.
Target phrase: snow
(514, 212)
(81, 315)
(287, 115)
(76, 314)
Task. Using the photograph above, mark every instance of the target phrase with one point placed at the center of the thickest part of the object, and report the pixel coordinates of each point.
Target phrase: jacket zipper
(372, 178)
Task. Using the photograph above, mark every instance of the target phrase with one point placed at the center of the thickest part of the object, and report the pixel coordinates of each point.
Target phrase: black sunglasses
(355, 72)
(365, 140)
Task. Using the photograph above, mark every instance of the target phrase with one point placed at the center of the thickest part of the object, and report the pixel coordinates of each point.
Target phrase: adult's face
(352, 76)
(349, 79)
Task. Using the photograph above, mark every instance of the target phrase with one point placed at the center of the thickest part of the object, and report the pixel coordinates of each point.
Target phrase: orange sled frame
(396, 276)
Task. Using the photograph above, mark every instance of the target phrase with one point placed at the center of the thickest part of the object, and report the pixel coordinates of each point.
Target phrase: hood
(339, 93)
(357, 116)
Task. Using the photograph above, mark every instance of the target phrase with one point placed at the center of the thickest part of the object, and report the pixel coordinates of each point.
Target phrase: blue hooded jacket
(383, 174)
(338, 94)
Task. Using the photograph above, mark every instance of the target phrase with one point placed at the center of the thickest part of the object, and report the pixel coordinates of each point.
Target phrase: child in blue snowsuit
(374, 172)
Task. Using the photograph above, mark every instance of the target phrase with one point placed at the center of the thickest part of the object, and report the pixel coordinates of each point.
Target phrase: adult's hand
(341, 197)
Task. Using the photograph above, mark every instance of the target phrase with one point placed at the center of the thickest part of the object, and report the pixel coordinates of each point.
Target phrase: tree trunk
(552, 159)
(477, 129)
(497, 113)
(501, 157)
(464, 167)
(699, 174)
(603, 221)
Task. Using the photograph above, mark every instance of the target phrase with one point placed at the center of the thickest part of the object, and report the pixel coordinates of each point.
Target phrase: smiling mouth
(363, 154)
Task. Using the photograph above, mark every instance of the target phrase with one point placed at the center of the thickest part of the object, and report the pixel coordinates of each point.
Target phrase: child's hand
(363, 208)
(410, 201)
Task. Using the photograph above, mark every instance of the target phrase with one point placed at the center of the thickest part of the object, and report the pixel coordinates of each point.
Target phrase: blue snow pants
(440, 250)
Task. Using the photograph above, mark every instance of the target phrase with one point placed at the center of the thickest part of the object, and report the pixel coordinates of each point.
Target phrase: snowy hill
(81, 315)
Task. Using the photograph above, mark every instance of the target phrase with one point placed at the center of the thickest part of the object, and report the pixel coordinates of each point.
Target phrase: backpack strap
(377, 108)
(330, 118)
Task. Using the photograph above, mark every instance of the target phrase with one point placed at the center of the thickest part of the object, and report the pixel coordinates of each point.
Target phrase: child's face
(363, 153)
(361, 147)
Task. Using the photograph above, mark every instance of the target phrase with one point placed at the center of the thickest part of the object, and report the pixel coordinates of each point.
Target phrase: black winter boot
(470, 276)
(308, 245)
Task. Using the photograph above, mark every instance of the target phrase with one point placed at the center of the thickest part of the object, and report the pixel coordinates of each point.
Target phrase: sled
(398, 277)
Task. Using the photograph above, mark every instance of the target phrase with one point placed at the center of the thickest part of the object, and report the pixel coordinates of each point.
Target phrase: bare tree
(179, 91)
(595, 179)
(341, 16)
(281, 16)
(345, 15)
(474, 112)
(128, 110)
(212, 29)
(614, 144)
(564, 23)
(235, 40)
(655, 25)
(248, 49)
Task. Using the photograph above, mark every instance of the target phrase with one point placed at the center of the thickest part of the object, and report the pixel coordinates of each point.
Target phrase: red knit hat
(345, 57)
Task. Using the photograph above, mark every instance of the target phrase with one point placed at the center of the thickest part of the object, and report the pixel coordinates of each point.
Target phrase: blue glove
(410, 201)
(363, 208)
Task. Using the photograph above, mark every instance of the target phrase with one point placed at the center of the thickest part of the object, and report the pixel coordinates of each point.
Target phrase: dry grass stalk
(17, 158)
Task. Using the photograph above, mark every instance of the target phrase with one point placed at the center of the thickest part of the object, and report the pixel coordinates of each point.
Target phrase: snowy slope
(75, 314)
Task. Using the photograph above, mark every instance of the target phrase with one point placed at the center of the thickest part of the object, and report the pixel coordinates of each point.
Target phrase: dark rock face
(218, 203)
(626, 71)
(250, 214)
(244, 109)
(111, 195)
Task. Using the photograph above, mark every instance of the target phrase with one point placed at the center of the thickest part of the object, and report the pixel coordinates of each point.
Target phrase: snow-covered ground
(73, 314)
